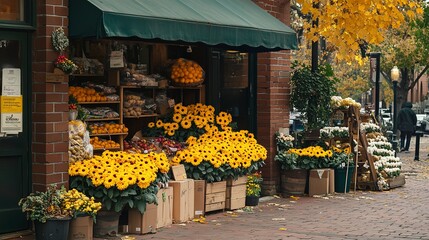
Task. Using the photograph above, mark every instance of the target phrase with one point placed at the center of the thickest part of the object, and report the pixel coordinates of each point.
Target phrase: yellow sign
(11, 104)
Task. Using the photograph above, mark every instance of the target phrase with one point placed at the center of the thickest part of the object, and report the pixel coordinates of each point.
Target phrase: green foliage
(312, 92)
(340, 160)
(206, 171)
(114, 199)
(41, 206)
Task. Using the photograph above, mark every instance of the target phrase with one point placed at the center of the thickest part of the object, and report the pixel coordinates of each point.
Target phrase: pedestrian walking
(406, 123)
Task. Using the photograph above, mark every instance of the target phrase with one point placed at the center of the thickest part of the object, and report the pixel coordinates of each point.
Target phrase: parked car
(424, 124)
(296, 124)
(420, 118)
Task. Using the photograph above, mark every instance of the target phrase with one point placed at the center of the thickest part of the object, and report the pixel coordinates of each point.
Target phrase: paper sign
(116, 59)
(320, 173)
(11, 81)
(11, 114)
(179, 172)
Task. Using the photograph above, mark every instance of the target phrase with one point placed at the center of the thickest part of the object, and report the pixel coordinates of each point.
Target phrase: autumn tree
(406, 47)
(349, 24)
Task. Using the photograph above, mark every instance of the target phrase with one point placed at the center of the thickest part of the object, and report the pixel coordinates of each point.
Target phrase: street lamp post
(394, 75)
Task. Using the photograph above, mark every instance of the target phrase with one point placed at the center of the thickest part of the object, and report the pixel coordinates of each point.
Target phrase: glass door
(235, 88)
(15, 137)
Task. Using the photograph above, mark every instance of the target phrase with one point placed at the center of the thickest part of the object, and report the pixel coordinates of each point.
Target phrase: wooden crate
(395, 182)
(236, 193)
(215, 196)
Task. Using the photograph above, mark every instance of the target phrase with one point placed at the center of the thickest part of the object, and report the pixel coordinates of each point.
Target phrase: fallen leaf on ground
(294, 198)
(201, 219)
(282, 229)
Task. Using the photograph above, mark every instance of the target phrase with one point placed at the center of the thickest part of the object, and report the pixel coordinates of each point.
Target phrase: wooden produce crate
(215, 196)
(236, 193)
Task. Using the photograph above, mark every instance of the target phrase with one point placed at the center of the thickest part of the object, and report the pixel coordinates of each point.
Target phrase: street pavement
(400, 213)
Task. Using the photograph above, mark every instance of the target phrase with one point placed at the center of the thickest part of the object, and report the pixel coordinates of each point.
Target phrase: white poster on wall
(11, 82)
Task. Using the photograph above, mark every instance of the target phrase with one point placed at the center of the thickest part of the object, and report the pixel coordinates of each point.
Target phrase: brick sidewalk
(399, 213)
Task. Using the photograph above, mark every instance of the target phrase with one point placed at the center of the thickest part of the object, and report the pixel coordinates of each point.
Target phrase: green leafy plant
(341, 160)
(41, 206)
(57, 203)
(312, 92)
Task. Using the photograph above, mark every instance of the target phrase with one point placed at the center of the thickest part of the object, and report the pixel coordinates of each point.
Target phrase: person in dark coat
(406, 123)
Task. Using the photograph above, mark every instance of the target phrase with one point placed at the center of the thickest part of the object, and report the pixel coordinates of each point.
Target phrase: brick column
(273, 95)
(49, 101)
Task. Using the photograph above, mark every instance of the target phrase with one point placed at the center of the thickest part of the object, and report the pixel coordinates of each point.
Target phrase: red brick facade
(273, 90)
(49, 101)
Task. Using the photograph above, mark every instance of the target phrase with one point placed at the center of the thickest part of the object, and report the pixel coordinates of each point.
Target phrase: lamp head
(394, 74)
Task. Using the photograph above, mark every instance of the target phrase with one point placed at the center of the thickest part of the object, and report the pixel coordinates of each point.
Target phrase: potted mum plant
(53, 209)
(47, 212)
(253, 189)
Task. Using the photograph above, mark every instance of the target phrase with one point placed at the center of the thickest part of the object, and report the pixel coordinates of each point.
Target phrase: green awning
(235, 23)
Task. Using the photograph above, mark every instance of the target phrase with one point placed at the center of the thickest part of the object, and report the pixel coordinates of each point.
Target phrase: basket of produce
(186, 73)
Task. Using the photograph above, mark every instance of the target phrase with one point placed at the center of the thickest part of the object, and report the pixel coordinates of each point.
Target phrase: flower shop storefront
(220, 50)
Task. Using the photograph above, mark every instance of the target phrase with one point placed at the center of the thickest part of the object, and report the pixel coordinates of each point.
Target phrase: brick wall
(49, 101)
(273, 90)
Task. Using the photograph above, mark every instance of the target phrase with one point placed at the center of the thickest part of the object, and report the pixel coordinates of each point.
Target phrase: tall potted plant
(311, 94)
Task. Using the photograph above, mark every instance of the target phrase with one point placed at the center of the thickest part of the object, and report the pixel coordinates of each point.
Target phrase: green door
(237, 88)
(15, 155)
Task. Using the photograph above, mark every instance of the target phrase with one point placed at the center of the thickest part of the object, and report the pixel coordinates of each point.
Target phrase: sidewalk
(400, 213)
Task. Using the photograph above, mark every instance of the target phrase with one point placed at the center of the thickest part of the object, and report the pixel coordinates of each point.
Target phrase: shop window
(236, 70)
(12, 10)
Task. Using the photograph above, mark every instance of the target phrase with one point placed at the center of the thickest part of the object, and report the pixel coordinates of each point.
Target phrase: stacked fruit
(186, 72)
(99, 143)
(107, 128)
(86, 94)
(169, 146)
(140, 146)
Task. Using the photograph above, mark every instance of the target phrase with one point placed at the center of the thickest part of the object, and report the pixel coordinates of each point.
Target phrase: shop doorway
(232, 85)
(15, 170)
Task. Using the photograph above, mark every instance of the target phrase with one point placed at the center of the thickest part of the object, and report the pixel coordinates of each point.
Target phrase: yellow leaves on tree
(347, 23)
